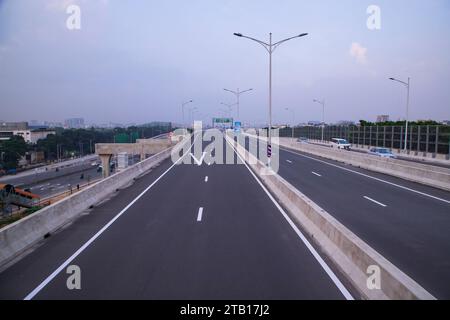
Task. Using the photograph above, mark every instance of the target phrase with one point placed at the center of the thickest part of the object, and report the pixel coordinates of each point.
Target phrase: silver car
(382, 152)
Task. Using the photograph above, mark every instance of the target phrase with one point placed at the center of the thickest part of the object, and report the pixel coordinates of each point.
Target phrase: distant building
(446, 122)
(74, 123)
(9, 129)
(314, 123)
(34, 123)
(52, 124)
(382, 118)
(345, 123)
(30, 135)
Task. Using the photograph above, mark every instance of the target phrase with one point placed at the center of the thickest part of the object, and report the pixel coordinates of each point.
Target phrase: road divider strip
(351, 256)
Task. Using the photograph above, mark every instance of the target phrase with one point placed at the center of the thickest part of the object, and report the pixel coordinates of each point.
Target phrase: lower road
(63, 183)
(183, 231)
(406, 222)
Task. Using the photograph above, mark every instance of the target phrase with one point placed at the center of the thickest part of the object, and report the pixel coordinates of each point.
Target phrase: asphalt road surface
(63, 183)
(65, 180)
(406, 222)
(399, 156)
(183, 231)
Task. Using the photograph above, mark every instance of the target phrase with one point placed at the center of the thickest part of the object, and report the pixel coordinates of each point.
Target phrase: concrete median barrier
(352, 256)
(21, 235)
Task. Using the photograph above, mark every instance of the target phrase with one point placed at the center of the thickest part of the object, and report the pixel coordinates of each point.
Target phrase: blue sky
(137, 60)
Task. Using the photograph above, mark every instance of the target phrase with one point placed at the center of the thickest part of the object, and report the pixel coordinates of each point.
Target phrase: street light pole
(191, 113)
(270, 48)
(407, 85)
(229, 106)
(182, 109)
(238, 94)
(270, 95)
(323, 114)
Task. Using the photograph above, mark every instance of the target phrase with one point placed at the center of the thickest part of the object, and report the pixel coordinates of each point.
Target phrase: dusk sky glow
(136, 61)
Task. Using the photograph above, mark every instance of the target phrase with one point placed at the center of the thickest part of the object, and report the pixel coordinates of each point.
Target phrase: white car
(340, 143)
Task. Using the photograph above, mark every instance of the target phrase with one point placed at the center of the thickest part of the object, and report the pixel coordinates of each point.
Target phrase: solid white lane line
(370, 177)
(206, 179)
(316, 174)
(41, 286)
(288, 161)
(375, 201)
(200, 213)
(313, 251)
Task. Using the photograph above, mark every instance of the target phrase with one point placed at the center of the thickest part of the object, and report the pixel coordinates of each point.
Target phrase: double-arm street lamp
(237, 94)
(270, 48)
(407, 85)
(229, 106)
(182, 109)
(323, 114)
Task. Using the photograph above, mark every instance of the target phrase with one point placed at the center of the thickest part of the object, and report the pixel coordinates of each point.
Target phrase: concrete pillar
(105, 158)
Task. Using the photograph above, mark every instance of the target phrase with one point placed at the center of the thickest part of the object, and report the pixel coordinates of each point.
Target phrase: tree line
(364, 123)
(67, 143)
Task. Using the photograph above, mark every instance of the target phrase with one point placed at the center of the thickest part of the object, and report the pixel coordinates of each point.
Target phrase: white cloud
(358, 52)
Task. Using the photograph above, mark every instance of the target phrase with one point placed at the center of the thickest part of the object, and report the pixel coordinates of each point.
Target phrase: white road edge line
(370, 177)
(316, 174)
(41, 286)
(200, 214)
(316, 255)
(375, 201)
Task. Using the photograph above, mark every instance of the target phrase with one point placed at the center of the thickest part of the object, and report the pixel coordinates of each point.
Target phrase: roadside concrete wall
(142, 146)
(437, 177)
(21, 235)
(350, 254)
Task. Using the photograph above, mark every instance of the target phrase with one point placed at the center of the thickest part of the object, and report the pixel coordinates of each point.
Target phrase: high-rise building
(74, 123)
